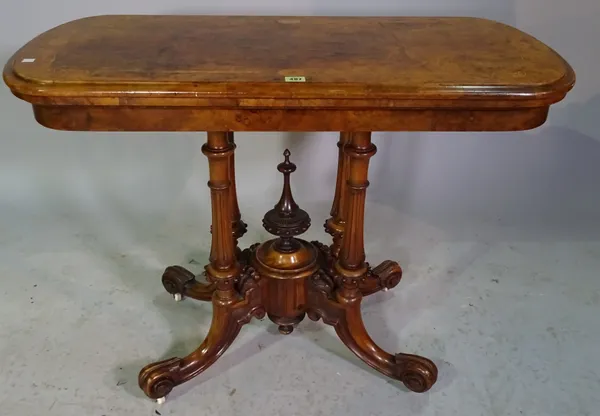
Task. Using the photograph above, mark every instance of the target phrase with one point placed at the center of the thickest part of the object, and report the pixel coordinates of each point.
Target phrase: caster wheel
(286, 329)
(161, 400)
(177, 297)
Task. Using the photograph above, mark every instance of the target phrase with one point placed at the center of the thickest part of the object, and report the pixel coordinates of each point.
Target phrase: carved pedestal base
(316, 295)
(287, 278)
(229, 315)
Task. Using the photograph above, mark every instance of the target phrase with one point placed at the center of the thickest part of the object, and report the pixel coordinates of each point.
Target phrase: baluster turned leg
(179, 281)
(384, 276)
(351, 259)
(231, 309)
(342, 308)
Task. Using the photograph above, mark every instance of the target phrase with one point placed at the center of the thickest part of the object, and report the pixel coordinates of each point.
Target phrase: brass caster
(286, 329)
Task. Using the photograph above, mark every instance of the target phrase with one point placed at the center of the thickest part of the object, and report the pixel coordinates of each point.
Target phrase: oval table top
(291, 62)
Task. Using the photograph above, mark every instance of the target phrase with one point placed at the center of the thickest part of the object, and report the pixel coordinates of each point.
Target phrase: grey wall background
(542, 181)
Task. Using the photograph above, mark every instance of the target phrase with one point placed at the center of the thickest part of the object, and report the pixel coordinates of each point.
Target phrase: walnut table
(226, 74)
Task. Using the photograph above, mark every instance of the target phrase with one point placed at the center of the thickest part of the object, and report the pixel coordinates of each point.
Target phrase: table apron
(120, 118)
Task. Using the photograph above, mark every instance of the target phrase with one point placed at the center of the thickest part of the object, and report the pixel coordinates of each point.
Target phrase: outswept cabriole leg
(231, 308)
(335, 224)
(417, 373)
(351, 271)
(158, 379)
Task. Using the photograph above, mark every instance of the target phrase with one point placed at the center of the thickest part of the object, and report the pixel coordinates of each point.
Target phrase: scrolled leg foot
(158, 379)
(175, 279)
(182, 283)
(229, 315)
(385, 276)
(417, 373)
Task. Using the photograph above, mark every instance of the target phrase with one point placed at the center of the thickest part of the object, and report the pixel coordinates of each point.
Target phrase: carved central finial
(286, 205)
(286, 219)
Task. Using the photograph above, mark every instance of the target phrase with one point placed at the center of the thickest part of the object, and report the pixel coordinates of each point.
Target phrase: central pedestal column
(286, 262)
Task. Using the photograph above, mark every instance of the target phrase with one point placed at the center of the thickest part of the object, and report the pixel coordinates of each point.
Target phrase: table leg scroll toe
(417, 373)
(339, 303)
(182, 283)
(158, 379)
(385, 276)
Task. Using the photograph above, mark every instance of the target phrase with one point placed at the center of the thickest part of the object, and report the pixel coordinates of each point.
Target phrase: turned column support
(224, 266)
(350, 264)
(335, 224)
(287, 278)
(236, 296)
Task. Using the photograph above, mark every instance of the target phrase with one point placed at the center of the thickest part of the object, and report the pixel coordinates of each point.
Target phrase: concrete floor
(512, 321)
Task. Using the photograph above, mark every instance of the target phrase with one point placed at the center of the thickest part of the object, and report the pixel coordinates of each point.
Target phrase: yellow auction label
(295, 79)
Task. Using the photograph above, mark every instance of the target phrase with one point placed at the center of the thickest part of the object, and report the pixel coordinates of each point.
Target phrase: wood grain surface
(223, 74)
(242, 61)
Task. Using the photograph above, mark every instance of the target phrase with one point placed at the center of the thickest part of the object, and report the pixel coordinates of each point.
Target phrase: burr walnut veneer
(224, 74)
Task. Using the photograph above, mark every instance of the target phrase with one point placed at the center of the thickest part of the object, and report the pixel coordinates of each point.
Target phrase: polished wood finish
(82, 118)
(229, 315)
(286, 262)
(241, 61)
(286, 219)
(351, 262)
(223, 266)
(234, 302)
(182, 283)
(239, 227)
(182, 73)
(335, 224)
(338, 302)
(343, 313)
(223, 74)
